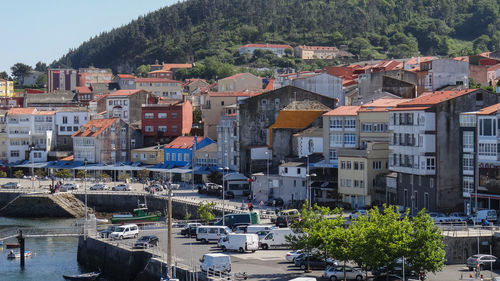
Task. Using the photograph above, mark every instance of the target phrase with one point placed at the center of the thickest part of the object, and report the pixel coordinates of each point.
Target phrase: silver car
(69, 186)
(481, 260)
(334, 273)
(99, 186)
(121, 187)
(11, 185)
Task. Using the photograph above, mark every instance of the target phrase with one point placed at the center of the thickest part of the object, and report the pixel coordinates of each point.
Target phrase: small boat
(16, 255)
(140, 214)
(12, 245)
(83, 277)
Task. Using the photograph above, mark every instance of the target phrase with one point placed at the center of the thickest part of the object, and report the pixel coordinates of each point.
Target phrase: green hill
(196, 29)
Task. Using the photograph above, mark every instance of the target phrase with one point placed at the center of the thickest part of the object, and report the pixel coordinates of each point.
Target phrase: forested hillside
(196, 29)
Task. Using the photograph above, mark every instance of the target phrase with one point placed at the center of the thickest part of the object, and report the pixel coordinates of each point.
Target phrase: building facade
(277, 49)
(88, 76)
(240, 82)
(68, 121)
(160, 87)
(6, 88)
(227, 139)
(179, 152)
(61, 79)
(126, 104)
(316, 52)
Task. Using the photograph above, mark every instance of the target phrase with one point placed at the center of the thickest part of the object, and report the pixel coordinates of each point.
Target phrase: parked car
(99, 186)
(206, 234)
(355, 214)
(481, 260)
(105, 233)
(125, 231)
(335, 273)
(290, 256)
(189, 229)
(69, 186)
(314, 262)
(11, 185)
(479, 216)
(121, 187)
(439, 217)
(458, 217)
(228, 194)
(155, 187)
(390, 277)
(282, 221)
(276, 202)
(147, 241)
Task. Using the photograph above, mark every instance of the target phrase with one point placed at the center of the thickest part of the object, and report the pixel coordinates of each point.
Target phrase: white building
(227, 139)
(277, 49)
(320, 83)
(308, 142)
(29, 130)
(445, 72)
(68, 121)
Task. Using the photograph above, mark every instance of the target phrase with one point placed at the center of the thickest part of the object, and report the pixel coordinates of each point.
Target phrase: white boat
(16, 255)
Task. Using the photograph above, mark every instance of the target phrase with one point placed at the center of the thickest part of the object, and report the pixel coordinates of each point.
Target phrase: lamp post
(85, 188)
(309, 195)
(267, 167)
(223, 195)
(32, 155)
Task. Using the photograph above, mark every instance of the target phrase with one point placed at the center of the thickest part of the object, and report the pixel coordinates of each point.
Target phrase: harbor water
(52, 256)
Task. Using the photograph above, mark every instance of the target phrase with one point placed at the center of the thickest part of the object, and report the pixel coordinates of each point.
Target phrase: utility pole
(169, 226)
(20, 239)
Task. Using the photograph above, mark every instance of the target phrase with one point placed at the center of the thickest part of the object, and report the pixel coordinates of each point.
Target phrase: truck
(215, 263)
(276, 238)
(233, 220)
(240, 242)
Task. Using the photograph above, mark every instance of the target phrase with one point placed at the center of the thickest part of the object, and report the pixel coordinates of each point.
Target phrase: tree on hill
(19, 70)
(4, 75)
(41, 66)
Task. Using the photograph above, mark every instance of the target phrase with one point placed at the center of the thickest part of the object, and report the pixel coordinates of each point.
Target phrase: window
(174, 157)
(377, 165)
(75, 128)
(222, 103)
(356, 165)
(286, 170)
(149, 129)
(426, 201)
(468, 164)
(68, 128)
(162, 129)
(76, 120)
(406, 198)
(415, 199)
(468, 184)
(174, 115)
(349, 139)
(333, 154)
(335, 123)
(366, 127)
(174, 128)
(348, 165)
(361, 165)
(149, 115)
(431, 182)
(179, 156)
(335, 140)
(488, 127)
(14, 153)
(186, 157)
(487, 149)
(167, 156)
(162, 115)
(63, 129)
(65, 120)
(468, 140)
(350, 123)
(132, 143)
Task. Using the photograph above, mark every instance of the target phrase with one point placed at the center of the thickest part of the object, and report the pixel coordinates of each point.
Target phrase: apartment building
(160, 87)
(61, 79)
(227, 139)
(68, 121)
(126, 104)
(6, 88)
(88, 76)
(425, 146)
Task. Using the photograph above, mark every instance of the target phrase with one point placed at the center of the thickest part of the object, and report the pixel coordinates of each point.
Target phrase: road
(267, 264)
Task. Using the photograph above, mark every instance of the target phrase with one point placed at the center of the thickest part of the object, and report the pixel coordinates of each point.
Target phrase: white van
(276, 238)
(206, 234)
(303, 279)
(240, 242)
(125, 231)
(254, 228)
(490, 215)
(216, 263)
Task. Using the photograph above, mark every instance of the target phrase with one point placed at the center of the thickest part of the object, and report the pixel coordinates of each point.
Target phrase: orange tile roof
(464, 58)
(274, 46)
(317, 48)
(293, 119)
(83, 90)
(99, 124)
(489, 110)
(414, 60)
(125, 76)
(183, 142)
(383, 104)
(235, 76)
(494, 68)
(170, 66)
(431, 98)
(345, 110)
(410, 108)
(124, 93)
(157, 80)
(45, 112)
(69, 158)
(22, 111)
(233, 94)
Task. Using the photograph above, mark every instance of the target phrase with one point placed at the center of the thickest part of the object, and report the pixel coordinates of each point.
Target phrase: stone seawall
(122, 263)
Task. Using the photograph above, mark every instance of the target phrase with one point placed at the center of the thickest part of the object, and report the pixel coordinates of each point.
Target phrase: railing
(42, 232)
(462, 229)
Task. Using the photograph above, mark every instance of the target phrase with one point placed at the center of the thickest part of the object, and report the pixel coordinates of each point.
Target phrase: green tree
(142, 71)
(187, 216)
(481, 43)
(143, 175)
(3, 174)
(104, 176)
(19, 70)
(81, 174)
(41, 81)
(124, 177)
(63, 174)
(41, 66)
(40, 173)
(205, 212)
(4, 75)
(19, 174)
(215, 177)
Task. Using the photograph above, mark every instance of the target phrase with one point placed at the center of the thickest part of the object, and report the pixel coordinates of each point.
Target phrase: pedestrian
(253, 198)
(249, 198)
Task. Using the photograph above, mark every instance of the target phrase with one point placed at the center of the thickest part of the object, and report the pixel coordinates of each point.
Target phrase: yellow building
(148, 155)
(358, 171)
(6, 88)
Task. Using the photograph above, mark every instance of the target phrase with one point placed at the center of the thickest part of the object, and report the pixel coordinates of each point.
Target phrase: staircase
(70, 204)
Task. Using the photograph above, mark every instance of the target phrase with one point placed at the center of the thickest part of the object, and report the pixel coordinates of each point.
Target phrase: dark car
(147, 241)
(105, 233)
(190, 230)
(228, 194)
(302, 261)
(391, 277)
(276, 202)
(282, 221)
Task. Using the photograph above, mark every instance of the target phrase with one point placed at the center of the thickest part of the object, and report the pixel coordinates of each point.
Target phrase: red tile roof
(489, 110)
(170, 66)
(317, 48)
(99, 124)
(346, 110)
(83, 90)
(410, 108)
(415, 60)
(156, 80)
(126, 76)
(383, 104)
(124, 93)
(274, 46)
(22, 111)
(233, 94)
(183, 142)
(235, 76)
(432, 98)
(494, 68)
(45, 112)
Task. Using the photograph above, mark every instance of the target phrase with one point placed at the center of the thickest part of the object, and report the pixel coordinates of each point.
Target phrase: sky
(35, 30)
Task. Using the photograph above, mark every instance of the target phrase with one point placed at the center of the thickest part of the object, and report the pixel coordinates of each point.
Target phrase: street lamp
(309, 195)
(85, 187)
(31, 150)
(267, 166)
(223, 195)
